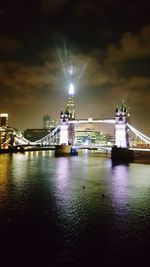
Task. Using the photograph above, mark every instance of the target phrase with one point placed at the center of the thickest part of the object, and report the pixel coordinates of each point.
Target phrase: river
(73, 211)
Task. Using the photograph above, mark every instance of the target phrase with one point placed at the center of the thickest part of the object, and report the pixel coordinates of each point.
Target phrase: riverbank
(23, 149)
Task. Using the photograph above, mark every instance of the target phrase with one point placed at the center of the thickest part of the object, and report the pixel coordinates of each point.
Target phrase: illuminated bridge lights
(91, 120)
(53, 137)
(139, 134)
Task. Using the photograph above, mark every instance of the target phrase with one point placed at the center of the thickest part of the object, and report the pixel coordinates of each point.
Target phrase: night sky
(107, 42)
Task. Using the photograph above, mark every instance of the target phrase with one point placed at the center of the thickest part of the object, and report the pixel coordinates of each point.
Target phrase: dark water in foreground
(47, 218)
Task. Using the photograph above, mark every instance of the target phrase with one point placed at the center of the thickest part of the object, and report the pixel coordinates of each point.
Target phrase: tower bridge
(64, 133)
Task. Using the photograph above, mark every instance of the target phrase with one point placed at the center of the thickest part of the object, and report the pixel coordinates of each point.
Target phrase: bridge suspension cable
(139, 134)
(48, 137)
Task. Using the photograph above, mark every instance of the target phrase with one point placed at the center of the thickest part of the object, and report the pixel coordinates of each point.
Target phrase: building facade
(4, 120)
(92, 137)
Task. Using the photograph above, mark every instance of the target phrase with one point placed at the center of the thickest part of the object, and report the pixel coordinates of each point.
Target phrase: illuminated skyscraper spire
(71, 89)
(70, 107)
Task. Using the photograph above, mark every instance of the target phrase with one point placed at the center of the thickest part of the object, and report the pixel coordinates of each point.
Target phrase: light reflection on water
(4, 168)
(73, 208)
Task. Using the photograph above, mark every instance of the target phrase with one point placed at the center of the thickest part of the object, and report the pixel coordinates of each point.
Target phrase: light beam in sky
(71, 69)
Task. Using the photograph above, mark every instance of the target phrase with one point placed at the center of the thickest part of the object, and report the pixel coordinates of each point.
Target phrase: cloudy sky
(106, 41)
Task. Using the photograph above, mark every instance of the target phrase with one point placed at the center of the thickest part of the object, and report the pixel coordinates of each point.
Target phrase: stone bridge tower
(122, 116)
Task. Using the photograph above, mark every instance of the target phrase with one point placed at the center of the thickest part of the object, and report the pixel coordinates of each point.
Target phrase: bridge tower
(122, 116)
(67, 134)
(64, 117)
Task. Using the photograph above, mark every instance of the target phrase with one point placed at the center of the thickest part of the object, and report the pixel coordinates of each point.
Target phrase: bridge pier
(119, 154)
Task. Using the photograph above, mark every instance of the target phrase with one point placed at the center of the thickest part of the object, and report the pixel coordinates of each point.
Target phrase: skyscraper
(4, 119)
(70, 106)
(46, 122)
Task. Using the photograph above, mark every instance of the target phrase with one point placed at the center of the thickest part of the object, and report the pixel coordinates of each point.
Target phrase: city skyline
(107, 44)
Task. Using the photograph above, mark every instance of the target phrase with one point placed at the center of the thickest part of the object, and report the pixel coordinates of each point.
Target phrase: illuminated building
(6, 137)
(46, 122)
(70, 106)
(3, 119)
(92, 137)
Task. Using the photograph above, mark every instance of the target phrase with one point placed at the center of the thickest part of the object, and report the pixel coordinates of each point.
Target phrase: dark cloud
(49, 6)
(8, 44)
(131, 46)
(107, 41)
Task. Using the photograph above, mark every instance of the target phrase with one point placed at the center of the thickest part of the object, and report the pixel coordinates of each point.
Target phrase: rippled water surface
(73, 211)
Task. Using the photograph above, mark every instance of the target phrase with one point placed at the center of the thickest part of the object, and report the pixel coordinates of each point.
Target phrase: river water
(73, 211)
